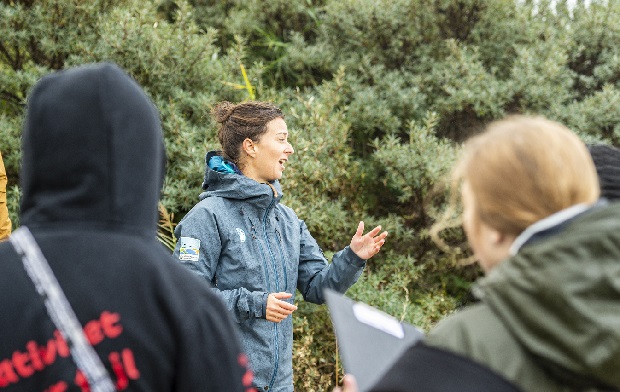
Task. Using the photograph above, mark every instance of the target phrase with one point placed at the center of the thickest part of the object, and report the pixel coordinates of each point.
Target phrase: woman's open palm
(367, 245)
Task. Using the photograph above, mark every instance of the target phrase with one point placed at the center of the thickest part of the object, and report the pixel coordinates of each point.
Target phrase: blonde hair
(521, 170)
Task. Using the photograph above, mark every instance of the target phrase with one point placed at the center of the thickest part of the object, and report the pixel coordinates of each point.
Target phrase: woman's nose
(289, 150)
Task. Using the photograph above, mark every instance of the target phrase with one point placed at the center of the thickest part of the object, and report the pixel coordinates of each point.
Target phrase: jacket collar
(547, 225)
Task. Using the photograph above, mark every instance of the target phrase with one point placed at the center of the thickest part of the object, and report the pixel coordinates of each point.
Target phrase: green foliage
(268, 28)
(315, 355)
(177, 63)
(13, 196)
(322, 182)
(377, 97)
(596, 116)
(408, 174)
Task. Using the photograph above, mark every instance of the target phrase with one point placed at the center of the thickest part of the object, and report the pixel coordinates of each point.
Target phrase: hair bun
(222, 111)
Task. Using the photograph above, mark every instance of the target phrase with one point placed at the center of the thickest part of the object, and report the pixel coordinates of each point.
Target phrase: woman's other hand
(348, 384)
(368, 245)
(277, 310)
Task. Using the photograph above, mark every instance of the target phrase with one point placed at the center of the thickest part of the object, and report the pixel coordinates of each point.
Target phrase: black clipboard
(369, 340)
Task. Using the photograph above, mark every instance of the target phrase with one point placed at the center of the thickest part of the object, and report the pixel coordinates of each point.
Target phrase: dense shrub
(377, 96)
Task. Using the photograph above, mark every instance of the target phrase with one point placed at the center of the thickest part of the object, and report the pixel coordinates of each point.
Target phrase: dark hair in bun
(238, 122)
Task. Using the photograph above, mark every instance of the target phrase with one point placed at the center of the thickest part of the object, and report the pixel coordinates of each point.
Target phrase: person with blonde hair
(548, 318)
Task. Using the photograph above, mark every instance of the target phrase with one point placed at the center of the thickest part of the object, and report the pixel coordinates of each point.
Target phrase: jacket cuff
(352, 258)
(260, 304)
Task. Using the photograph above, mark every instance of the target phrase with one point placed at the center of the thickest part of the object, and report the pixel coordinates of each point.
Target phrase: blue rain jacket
(246, 244)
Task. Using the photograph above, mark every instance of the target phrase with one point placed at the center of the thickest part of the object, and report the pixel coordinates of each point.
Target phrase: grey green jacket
(549, 316)
(245, 243)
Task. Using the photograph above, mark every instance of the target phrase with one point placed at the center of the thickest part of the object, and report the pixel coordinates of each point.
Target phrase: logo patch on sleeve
(190, 249)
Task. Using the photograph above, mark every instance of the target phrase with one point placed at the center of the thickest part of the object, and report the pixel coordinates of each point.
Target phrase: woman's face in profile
(488, 244)
(272, 152)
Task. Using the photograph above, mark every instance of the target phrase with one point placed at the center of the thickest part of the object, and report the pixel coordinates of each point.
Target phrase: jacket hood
(559, 298)
(93, 152)
(236, 186)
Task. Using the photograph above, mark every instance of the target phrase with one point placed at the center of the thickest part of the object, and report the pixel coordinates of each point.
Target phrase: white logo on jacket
(241, 234)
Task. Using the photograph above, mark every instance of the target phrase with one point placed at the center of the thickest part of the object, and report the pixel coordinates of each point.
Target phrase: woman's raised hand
(368, 245)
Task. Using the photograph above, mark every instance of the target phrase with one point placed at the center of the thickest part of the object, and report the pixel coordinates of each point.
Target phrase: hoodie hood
(93, 152)
(236, 186)
(559, 298)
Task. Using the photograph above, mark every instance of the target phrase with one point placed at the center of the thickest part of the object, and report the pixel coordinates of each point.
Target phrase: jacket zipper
(275, 329)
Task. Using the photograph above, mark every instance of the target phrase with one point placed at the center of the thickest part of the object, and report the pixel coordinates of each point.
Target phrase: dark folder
(369, 340)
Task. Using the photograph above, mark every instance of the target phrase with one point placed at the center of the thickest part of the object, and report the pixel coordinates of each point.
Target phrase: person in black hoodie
(93, 166)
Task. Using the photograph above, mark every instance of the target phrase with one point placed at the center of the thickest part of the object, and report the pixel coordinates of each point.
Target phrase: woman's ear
(501, 243)
(249, 147)
(500, 239)
(495, 237)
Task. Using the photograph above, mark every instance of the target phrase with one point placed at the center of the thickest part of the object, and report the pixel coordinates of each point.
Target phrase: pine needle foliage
(378, 96)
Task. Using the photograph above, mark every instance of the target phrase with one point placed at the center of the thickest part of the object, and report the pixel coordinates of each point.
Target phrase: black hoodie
(93, 166)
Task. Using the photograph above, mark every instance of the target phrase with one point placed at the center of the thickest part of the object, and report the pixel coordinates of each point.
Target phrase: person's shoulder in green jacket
(477, 333)
(548, 316)
(523, 182)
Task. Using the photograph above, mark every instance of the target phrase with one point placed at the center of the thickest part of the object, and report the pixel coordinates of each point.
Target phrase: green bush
(378, 97)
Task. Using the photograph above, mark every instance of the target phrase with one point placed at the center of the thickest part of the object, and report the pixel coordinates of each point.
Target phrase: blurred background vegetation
(378, 96)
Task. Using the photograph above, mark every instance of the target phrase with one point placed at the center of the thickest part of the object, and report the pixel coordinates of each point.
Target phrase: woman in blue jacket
(256, 251)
